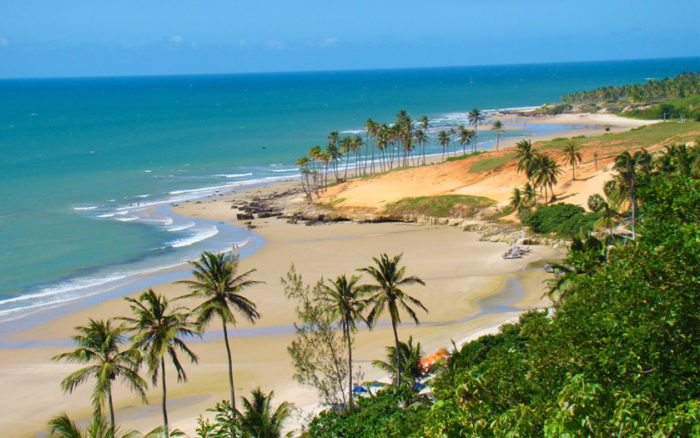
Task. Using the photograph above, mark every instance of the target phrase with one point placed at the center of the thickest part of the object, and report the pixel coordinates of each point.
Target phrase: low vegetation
(681, 108)
(564, 220)
(440, 206)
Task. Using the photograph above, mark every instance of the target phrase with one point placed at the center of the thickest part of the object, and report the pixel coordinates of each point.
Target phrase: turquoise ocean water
(89, 166)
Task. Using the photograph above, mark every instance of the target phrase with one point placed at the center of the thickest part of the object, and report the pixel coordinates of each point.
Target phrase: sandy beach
(461, 273)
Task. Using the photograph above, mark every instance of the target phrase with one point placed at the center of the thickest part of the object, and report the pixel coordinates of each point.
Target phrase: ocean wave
(201, 189)
(91, 207)
(353, 131)
(106, 215)
(198, 237)
(165, 221)
(285, 170)
(180, 227)
(127, 218)
(143, 196)
(232, 175)
(66, 291)
(63, 287)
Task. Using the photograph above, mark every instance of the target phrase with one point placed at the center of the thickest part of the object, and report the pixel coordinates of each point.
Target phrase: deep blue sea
(89, 166)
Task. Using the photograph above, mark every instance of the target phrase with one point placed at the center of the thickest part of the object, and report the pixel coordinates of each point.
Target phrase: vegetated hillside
(635, 100)
(617, 357)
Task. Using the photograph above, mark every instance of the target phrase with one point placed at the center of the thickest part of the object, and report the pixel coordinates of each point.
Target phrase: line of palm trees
(157, 331)
(399, 144)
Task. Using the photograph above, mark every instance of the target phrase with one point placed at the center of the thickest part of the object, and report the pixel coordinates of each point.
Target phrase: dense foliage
(562, 219)
(683, 85)
(618, 357)
(685, 107)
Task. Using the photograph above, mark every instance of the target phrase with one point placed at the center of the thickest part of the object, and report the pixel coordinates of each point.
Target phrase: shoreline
(465, 271)
(129, 274)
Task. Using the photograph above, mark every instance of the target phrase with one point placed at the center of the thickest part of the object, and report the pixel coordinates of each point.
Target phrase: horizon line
(349, 70)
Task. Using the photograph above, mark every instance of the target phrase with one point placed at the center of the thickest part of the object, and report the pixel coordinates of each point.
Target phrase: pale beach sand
(458, 269)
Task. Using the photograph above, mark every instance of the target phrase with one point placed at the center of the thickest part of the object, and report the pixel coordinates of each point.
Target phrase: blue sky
(49, 38)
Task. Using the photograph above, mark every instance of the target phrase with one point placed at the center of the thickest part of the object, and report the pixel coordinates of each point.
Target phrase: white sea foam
(232, 175)
(181, 227)
(127, 218)
(165, 221)
(353, 131)
(92, 207)
(285, 170)
(63, 287)
(144, 195)
(198, 237)
(202, 189)
(106, 215)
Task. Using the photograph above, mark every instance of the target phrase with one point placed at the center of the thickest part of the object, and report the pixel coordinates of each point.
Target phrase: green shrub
(563, 219)
(391, 412)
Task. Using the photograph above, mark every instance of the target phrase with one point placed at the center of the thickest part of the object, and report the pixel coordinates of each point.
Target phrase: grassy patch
(464, 156)
(440, 206)
(489, 164)
(333, 203)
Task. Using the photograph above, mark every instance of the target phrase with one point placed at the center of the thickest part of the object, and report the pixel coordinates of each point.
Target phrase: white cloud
(176, 39)
(330, 41)
(4, 42)
(274, 44)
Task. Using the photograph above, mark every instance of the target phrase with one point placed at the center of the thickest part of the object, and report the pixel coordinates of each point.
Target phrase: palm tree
(388, 295)
(475, 117)
(303, 164)
(334, 155)
(498, 127)
(523, 151)
(259, 419)
(410, 356)
(529, 195)
(345, 150)
(315, 154)
(572, 156)
(444, 140)
(425, 124)
(421, 139)
(356, 146)
(217, 283)
(465, 136)
(545, 171)
(344, 299)
(159, 331)
(99, 344)
(62, 426)
(516, 200)
(629, 167)
(371, 127)
(604, 210)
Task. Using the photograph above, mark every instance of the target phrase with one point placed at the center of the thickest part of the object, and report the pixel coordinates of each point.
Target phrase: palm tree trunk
(111, 410)
(230, 370)
(398, 353)
(347, 337)
(166, 432)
